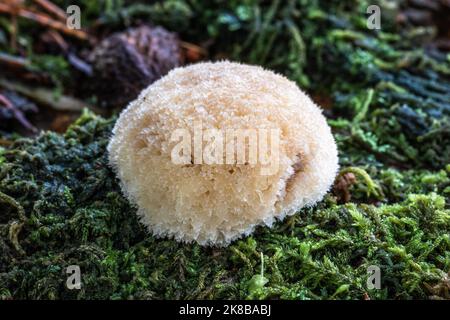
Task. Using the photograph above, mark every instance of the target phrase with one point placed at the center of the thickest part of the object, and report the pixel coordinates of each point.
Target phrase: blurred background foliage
(386, 94)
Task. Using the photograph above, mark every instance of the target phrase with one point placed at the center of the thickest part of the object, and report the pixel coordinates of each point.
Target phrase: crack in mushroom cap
(216, 204)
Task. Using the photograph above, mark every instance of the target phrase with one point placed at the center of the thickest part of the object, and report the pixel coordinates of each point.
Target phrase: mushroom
(212, 150)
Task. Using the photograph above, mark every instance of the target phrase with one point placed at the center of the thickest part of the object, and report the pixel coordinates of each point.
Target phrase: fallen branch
(73, 59)
(44, 20)
(12, 61)
(46, 97)
(52, 8)
(17, 113)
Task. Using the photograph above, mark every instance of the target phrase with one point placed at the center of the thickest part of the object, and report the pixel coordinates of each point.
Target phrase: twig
(21, 67)
(73, 59)
(193, 52)
(79, 64)
(17, 113)
(12, 61)
(22, 63)
(52, 8)
(13, 11)
(56, 37)
(47, 97)
(45, 20)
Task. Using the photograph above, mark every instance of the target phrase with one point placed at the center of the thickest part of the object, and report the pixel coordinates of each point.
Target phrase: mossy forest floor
(386, 95)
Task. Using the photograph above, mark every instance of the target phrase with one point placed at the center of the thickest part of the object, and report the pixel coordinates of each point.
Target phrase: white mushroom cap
(214, 204)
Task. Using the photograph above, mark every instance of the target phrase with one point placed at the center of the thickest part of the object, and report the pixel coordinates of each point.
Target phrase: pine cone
(125, 63)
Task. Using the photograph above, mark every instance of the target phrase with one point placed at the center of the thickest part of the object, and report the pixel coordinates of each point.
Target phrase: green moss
(319, 253)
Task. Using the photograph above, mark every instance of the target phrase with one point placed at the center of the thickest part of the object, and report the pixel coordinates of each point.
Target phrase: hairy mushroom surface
(214, 203)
